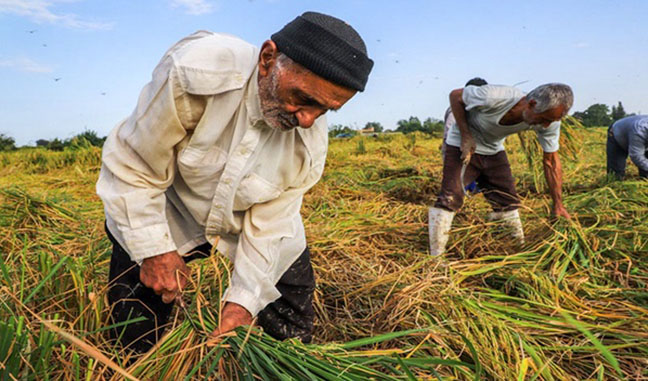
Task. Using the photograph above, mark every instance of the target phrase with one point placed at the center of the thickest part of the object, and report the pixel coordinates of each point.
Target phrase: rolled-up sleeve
(272, 239)
(638, 145)
(138, 166)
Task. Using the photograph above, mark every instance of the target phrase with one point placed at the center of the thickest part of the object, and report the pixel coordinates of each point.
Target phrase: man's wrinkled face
(292, 96)
(274, 115)
(544, 118)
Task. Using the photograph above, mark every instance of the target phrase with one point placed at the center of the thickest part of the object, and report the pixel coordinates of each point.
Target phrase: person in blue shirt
(628, 137)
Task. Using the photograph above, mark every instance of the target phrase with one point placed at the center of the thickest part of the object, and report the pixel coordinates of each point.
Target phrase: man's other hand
(468, 147)
(166, 274)
(232, 316)
(560, 211)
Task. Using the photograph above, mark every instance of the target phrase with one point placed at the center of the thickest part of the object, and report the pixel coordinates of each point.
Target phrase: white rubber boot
(512, 220)
(439, 222)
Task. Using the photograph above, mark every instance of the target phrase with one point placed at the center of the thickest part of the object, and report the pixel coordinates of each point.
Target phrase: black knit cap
(328, 47)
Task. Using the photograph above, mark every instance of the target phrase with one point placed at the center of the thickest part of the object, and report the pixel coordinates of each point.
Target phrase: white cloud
(193, 7)
(40, 11)
(25, 64)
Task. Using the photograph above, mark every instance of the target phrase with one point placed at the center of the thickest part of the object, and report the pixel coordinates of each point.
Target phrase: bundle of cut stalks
(571, 145)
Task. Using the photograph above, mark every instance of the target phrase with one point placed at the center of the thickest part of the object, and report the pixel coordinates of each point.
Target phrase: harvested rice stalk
(571, 145)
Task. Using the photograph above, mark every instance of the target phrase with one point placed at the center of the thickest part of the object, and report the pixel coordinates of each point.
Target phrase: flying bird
(44, 45)
(57, 79)
(31, 31)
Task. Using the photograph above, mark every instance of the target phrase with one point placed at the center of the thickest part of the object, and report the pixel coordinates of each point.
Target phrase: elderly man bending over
(212, 150)
(485, 116)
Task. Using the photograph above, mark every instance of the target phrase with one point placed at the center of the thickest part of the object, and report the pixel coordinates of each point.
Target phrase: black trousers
(616, 156)
(291, 315)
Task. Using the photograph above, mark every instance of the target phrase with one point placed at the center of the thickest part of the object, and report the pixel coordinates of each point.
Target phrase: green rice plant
(13, 342)
(571, 145)
(411, 141)
(249, 353)
(360, 148)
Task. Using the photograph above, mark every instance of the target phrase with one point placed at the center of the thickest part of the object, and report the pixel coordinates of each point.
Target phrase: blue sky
(103, 52)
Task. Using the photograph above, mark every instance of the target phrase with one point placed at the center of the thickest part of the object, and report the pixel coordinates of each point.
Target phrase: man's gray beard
(272, 113)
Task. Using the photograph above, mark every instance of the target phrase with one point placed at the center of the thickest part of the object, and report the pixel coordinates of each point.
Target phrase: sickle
(463, 172)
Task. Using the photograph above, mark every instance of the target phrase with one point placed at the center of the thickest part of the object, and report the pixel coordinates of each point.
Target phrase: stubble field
(571, 304)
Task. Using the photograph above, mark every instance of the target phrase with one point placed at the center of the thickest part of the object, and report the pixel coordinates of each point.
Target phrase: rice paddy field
(570, 304)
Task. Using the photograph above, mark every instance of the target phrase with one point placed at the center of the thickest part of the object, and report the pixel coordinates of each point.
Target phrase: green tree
(410, 125)
(337, 129)
(377, 127)
(596, 115)
(433, 127)
(42, 143)
(618, 112)
(83, 140)
(7, 143)
(91, 137)
(56, 145)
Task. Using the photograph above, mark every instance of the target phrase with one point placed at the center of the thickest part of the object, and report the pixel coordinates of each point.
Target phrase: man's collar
(253, 101)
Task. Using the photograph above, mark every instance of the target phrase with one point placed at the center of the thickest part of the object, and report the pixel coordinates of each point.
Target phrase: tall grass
(571, 304)
(40, 160)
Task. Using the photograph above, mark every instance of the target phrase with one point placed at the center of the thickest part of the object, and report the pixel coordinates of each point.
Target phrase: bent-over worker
(628, 137)
(224, 142)
(485, 116)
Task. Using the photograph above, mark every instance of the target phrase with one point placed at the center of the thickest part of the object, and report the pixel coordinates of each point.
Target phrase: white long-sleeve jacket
(196, 160)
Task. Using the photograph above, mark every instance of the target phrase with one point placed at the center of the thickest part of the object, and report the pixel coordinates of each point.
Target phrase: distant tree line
(595, 115)
(430, 126)
(600, 114)
(339, 130)
(84, 139)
